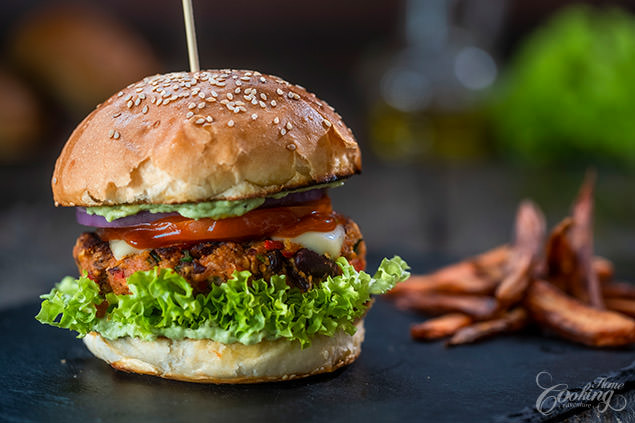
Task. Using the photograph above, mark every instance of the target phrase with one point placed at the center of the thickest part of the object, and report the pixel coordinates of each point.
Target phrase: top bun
(209, 135)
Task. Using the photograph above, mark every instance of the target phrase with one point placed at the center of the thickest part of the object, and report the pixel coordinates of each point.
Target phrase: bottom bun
(207, 361)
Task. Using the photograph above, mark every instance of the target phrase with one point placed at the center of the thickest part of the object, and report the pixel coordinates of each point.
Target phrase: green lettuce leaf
(240, 310)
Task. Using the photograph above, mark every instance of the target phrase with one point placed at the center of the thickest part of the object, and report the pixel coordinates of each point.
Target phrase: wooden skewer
(190, 34)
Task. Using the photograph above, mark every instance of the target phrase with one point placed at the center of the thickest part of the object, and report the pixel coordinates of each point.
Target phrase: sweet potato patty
(204, 263)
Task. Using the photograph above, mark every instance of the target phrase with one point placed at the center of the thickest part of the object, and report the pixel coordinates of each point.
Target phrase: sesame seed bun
(210, 135)
(206, 361)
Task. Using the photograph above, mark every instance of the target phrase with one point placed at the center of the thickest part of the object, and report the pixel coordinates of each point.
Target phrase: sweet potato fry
(619, 290)
(622, 305)
(559, 257)
(581, 235)
(529, 234)
(479, 307)
(510, 321)
(552, 308)
(471, 284)
(477, 275)
(440, 327)
(603, 269)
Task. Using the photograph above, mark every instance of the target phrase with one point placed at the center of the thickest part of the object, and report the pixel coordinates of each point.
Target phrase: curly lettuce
(241, 310)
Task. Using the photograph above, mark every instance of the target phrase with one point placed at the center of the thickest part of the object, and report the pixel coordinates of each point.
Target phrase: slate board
(46, 374)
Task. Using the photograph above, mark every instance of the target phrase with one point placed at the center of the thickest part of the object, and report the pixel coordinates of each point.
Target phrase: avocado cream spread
(219, 209)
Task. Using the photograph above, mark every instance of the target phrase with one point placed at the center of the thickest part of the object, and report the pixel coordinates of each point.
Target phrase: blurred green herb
(569, 92)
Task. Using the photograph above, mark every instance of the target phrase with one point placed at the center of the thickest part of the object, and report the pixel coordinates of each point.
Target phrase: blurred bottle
(429, 92)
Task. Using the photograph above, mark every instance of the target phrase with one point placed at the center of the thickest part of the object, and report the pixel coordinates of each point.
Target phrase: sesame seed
(139, 89)
(201, 95)
(244, 78)
(262, 79)
(116, 114)
(210, 99)
(137, 101)
(276, 120)
(142, 96)
(111, 133)
(201, 104)
(154, 99)
(214, 93)
(230, 123)
(159, 101)
(189, 114)
(230, 96)
(145, 109)
(128, 97)
(283, 131)
(279, 91)
(120, 93)
(273, 103)
(199, 121)
(209, 119)
(262, 104)
(289, 126)
(239, 83)
(327, 123)
(263, 96)
(166, 101)
(291, 147)
(290, 94)
(254, 116)
(130, 103)
(224, 101)
(191, 106)
(237, 91)
(116, 135)
(195, 90)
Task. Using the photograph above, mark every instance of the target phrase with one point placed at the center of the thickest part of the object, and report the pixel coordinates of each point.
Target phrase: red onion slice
(96, 221)
(83, 218)
(296, 198)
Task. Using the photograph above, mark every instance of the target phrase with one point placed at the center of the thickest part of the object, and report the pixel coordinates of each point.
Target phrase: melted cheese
(121, 249)
(321, 242)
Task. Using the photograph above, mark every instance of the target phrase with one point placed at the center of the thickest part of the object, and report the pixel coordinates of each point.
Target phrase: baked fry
(618, 290)
(477, 275)
(529, 234)
(603, 268)
(581, 235)
(552, 308)
(513, 320)
(440, 327)
(479, 307)
(622, 305)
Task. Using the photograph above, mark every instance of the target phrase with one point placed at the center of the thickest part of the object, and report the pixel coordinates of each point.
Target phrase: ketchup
(286, 222)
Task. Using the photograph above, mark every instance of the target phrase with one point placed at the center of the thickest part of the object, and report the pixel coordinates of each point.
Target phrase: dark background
(424, 85)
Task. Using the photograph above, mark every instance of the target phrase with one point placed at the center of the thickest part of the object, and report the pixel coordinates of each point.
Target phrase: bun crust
(210, 135)
(207, 361)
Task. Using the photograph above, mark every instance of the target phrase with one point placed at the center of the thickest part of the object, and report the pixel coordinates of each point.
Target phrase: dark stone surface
(47, 374)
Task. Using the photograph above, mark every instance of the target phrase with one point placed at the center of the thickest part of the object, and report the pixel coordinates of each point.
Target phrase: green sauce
(220, 209)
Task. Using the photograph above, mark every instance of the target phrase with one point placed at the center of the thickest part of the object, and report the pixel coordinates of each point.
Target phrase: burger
(215, 254)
